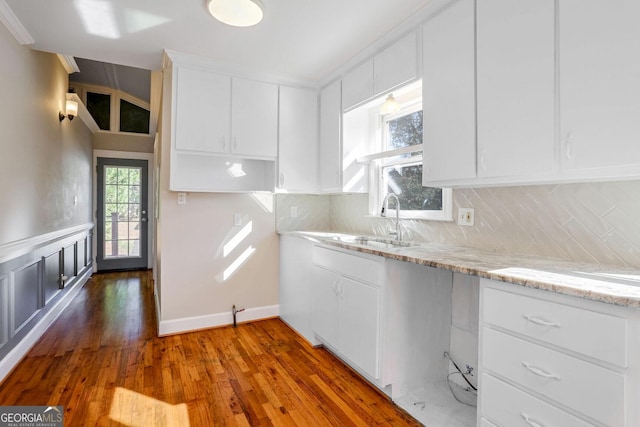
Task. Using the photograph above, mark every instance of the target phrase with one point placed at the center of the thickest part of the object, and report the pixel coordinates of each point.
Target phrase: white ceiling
(299, 39)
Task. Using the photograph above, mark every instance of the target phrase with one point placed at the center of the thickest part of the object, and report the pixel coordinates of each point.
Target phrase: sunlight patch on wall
(235, 265)
(237, 239)
(264, 200)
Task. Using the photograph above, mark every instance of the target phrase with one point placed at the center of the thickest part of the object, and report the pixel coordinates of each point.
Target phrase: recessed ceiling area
(300, 39)
(131, 80)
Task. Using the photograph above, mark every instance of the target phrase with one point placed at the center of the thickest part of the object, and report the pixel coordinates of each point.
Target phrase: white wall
(44, 163)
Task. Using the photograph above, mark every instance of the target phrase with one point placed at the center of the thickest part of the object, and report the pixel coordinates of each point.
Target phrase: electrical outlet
(293, 212)
(465, 217)
(182, 198)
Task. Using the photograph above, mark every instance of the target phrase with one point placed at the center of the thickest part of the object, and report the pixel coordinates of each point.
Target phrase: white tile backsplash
(592, 222)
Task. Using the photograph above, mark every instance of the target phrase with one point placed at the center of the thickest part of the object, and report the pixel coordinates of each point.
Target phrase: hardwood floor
(103, 362)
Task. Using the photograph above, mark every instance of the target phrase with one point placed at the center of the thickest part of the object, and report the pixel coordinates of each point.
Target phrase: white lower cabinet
(554, 360)
(296, 284)
(346, 313)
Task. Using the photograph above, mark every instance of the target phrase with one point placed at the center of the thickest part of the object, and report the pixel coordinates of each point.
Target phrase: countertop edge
(558, 276)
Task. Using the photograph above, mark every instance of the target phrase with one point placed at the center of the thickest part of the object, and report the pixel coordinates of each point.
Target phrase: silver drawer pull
(539, 372)
(529, 421)
(540, 322)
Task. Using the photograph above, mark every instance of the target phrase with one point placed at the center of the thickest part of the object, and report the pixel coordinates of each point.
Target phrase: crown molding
(69, 63)
(13, 24)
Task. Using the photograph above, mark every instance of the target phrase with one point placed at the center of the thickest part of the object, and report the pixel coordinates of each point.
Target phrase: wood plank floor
(103, 362)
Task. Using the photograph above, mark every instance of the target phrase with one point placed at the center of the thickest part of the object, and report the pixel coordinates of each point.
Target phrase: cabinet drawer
(510, 406)
(589, 389)
(593, 334)
(354, 266)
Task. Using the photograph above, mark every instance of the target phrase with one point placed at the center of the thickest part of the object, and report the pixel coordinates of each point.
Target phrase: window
(133, 118)
(397, 165)
(114, 110)
(99, 105)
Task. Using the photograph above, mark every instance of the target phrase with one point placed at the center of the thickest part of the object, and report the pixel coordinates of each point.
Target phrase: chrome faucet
(385, 208)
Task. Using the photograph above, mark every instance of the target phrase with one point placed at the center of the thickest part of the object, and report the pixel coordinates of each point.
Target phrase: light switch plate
(237, 219)
(465, 217)
(293, 212)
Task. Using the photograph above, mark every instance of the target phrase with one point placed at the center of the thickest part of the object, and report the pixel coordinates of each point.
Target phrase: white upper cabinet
(392, 67)
(202, 114)
(448, 101)
(298, 123)
(357, 85)
(330, 163)
(600, 87)
(254, 118)
(515, 87)
(396, 65)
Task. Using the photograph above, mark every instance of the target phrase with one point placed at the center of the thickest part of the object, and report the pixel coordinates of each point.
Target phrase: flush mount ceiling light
(238, 13)
(390, 105)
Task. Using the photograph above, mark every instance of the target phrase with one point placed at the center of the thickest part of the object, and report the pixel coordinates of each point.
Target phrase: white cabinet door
(254, 118)
(359, 325)
(396, 65)
(599, 83)
(298, 148)
(202, 110)
(324, 313)
(330, 159)
(448, 102)
(515, 83)
(357, 85)
(296, 284)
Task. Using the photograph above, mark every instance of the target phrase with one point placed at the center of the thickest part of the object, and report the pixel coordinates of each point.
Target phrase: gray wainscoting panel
(51, 277)
(69, 261)
(4, 312)
(80, 255)
(26, 297)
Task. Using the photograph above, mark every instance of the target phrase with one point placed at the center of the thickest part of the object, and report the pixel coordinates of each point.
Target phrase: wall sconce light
(237, 13)
(71, 110)
(390, 105)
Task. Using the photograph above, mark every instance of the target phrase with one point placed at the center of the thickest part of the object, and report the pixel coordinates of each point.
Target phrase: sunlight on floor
(137, 410)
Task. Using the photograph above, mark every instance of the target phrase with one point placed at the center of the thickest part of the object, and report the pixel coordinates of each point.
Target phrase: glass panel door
(122, 214)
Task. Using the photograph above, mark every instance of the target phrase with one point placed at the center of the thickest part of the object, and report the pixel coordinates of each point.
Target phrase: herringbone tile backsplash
(592, 222)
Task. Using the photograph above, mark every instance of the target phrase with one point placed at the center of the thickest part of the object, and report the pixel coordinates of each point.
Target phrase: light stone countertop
(609, 284)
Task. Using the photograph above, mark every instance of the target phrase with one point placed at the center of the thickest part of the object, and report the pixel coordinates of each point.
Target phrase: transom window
(114, 110)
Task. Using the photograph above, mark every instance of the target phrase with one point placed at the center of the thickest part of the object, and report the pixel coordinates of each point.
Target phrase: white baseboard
(21, 349)
(187, 324)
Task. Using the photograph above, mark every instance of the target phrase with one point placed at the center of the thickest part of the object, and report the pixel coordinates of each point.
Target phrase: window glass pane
(133, 118)
(406, 182)
(404, 131)
(99, 105)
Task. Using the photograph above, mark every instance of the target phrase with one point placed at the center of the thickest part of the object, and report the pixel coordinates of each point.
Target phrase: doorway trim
(151, 253)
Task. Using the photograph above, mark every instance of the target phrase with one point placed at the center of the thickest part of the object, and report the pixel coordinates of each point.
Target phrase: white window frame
(381, 159)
